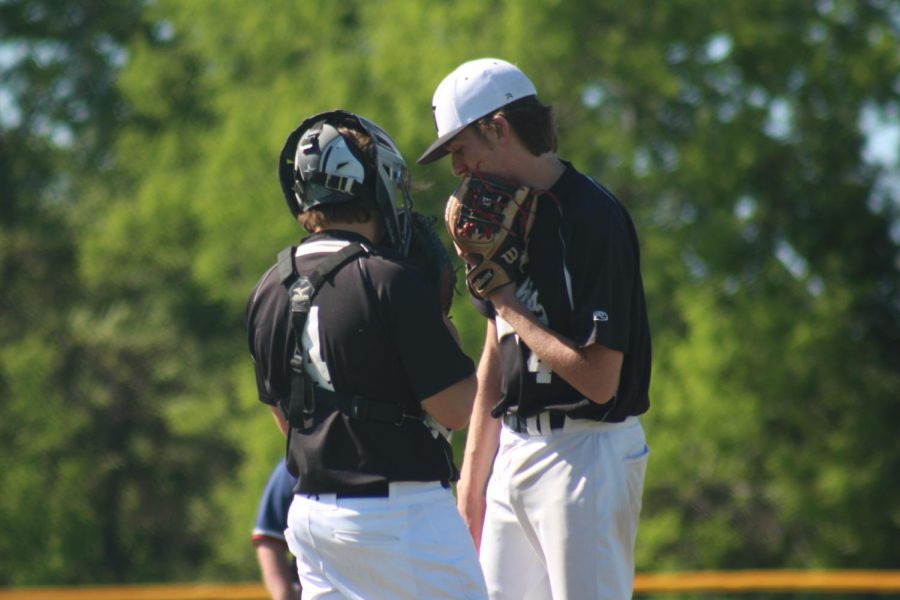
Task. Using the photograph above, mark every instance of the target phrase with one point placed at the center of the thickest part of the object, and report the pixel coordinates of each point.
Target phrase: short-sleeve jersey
(271, 515)
(374, 330)
(583, 281)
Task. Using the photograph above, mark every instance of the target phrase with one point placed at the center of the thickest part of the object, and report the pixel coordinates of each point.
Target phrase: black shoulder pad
(287, 271)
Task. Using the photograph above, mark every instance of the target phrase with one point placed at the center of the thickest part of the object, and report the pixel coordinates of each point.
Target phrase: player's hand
(472, 261)
(504, 296)
(471, 506)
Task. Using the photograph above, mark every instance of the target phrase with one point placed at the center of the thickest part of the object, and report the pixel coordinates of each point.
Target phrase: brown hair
(358, 210)
(531, 121)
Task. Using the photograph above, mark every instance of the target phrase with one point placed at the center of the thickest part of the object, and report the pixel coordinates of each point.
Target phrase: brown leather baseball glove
(490, 222)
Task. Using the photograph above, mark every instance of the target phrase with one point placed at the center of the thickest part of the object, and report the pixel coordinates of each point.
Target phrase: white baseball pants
(412, 545)
(562, 512)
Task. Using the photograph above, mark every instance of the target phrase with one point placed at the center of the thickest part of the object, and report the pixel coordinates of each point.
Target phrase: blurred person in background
(277, 565)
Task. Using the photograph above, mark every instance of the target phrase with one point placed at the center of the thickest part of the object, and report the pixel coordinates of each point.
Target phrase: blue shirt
(271, 516)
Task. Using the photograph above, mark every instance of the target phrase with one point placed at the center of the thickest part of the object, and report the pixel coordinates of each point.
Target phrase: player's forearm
(483, 435)
(452, 406)
(482, 440)
(593, 370)
(276, 570)
(279, 588)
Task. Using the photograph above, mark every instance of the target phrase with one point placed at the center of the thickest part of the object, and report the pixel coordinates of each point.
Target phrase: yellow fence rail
(861, 582)
(735, 582)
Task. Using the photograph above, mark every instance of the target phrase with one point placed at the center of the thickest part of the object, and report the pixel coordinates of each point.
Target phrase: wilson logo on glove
(510, 256)
(490, 221)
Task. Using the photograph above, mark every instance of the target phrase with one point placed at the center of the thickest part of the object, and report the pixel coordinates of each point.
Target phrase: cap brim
(436, 150)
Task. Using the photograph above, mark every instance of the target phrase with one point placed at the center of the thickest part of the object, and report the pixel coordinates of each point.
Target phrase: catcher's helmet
(319, 165)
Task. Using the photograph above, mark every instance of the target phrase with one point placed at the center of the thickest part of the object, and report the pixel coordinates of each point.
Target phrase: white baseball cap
(475, 89)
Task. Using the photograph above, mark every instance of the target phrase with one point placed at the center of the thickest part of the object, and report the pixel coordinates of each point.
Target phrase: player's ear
(500, 127)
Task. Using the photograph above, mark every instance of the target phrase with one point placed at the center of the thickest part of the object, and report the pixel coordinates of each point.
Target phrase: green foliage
(140, 205)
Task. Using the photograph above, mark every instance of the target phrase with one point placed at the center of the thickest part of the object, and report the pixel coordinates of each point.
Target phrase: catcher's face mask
(319, 165)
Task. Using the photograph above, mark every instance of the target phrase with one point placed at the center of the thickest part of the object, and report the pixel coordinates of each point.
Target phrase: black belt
(378, 493)
(519, 424)
(379, 490)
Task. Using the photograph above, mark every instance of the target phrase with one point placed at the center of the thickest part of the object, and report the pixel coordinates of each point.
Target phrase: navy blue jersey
(271, 516)
(583, 281)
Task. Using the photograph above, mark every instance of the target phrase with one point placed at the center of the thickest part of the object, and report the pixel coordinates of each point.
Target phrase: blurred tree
(99, 485)
(57, 107)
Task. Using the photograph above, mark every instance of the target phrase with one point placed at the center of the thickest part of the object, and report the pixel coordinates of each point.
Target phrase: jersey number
(315, 365)
(542, 372)
(534, 364)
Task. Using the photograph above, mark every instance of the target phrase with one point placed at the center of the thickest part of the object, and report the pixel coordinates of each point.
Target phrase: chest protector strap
(305, 395)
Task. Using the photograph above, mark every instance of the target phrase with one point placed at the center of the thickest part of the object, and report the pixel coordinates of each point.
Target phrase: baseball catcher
(363, 373)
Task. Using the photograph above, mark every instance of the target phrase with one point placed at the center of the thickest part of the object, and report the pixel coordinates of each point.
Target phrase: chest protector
(306, 396)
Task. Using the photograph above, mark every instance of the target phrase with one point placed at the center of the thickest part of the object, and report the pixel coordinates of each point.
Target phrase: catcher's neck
(371, 229)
